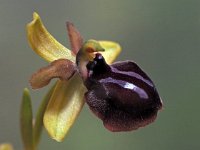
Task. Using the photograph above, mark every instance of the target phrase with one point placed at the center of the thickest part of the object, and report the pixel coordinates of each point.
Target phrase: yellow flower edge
(67, 98)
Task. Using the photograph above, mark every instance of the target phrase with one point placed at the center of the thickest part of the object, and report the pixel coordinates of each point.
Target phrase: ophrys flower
(121, 94)
(67, 98)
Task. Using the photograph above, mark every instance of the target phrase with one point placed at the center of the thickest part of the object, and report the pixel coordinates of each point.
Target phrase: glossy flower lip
(121, 95)
(67, 98)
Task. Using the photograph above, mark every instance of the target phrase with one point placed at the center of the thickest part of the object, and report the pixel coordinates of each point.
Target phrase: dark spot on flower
(121, 95)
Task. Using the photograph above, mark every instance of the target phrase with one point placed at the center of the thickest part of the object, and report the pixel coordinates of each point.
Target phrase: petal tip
(52, 130)
(26, 91)
(35, 18)
(35, 15)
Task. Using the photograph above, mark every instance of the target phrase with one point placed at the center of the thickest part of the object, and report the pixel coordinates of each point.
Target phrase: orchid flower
(121, 94)
(67, 98)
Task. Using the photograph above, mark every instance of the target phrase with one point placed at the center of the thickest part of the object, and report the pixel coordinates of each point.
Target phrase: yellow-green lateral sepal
(44, 44)
(64, 106)
(112, 50)
(37, 129)
(6, 146)
(26, 121)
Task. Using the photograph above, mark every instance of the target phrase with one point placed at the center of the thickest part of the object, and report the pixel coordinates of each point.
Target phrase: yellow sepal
(44, 44)
(65, 104)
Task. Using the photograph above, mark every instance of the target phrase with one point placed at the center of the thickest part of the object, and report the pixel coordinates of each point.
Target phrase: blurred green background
(162, 36)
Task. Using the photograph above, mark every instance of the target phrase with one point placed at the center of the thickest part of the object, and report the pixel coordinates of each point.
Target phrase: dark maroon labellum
(121, 94)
